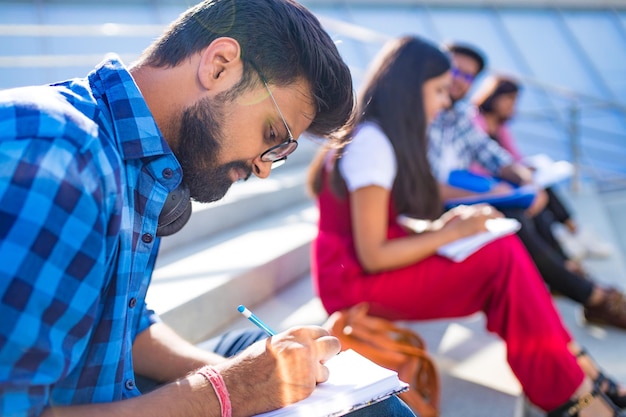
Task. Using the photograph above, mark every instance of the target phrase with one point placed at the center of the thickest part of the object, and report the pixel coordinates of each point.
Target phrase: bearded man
(94, 170)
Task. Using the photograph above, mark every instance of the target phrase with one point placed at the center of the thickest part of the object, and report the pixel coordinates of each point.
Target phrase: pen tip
(241, 308)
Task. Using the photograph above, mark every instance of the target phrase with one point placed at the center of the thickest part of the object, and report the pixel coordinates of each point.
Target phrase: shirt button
(147, 238)
(132, 302)
(129, 384)
(167, 173)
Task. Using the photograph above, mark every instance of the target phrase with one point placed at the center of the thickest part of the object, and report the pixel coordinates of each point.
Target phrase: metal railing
(576, 103)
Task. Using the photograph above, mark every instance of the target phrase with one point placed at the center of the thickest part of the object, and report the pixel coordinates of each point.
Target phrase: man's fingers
(327, 347)
(322, 347)
(322, 373)
(310, 332)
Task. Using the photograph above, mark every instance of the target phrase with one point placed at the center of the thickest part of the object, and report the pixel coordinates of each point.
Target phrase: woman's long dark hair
(392, 97)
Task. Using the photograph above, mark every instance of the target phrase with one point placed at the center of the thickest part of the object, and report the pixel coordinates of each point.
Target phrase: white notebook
(548, 172)
(460, 249)
(354, 382)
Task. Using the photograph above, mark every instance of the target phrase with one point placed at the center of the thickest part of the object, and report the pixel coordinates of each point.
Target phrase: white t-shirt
(369, 159)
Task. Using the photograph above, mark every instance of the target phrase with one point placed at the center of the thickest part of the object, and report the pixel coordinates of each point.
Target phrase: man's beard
(199, 142)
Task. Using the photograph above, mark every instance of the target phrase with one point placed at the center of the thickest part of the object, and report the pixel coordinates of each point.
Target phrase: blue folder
(520, 197)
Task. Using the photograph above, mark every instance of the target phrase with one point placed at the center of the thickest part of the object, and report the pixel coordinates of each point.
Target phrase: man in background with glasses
(456, 143)
(95, 170)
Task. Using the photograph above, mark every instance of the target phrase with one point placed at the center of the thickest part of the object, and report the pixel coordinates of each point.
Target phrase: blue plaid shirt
(455, 142)
(84, 173)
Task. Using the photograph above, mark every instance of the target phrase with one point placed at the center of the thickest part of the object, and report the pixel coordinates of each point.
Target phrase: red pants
(499, 280)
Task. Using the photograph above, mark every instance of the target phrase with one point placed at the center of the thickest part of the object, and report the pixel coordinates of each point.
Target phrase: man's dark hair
(470, 51)
(280, 38)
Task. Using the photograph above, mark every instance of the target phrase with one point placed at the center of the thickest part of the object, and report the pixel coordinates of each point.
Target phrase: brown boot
(611, 311)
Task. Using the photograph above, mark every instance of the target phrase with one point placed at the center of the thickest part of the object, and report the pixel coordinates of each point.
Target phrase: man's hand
(278, 371)
(270, 374)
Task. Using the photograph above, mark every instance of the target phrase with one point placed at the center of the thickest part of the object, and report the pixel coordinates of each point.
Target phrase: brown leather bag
(392, 347)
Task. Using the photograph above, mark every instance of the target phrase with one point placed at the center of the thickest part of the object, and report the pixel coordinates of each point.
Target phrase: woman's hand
(278, 371)
(468, 220)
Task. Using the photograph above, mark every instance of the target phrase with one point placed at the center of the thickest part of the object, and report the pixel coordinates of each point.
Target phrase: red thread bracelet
(217, 382)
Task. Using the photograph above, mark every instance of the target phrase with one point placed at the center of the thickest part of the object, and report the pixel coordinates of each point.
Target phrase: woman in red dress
(363, 254)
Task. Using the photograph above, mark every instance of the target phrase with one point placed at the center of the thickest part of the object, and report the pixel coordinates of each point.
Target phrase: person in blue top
(93, 171)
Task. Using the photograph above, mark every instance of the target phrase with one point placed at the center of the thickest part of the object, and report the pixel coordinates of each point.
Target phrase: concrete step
(476, 380)
(596, 213)
(197, 288)
(604, 215)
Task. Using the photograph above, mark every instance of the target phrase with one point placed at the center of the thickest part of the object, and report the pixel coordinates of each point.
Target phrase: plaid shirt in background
(84, 173)
(456, 143)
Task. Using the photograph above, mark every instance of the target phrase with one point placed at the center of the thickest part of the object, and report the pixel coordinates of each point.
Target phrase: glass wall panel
(406, 20)
(601, 36)
(394, 22)
(166, 13)
(556, 58)
(337, 22)
(484, 29)
(541, 136)
(480, 28)
(547, 50)
(621, 16)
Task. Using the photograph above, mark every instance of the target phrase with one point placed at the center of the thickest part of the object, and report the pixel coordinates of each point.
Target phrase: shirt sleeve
(481, 147)
(52, 239)
(369, 160)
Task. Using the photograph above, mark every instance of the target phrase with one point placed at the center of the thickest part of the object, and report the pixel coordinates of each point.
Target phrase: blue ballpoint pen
(254, 319)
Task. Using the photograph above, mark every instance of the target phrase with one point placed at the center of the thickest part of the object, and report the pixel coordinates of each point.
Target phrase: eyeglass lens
(280, 151)
(467, 77)
(278, 154)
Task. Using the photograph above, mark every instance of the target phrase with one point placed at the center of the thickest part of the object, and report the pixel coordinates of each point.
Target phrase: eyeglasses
(465, 76)
(277, 154)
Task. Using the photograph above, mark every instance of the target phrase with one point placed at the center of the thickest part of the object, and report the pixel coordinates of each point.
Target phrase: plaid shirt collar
(129, 112)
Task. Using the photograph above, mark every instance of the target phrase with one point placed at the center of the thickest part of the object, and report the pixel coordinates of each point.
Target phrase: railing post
(575, 145)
